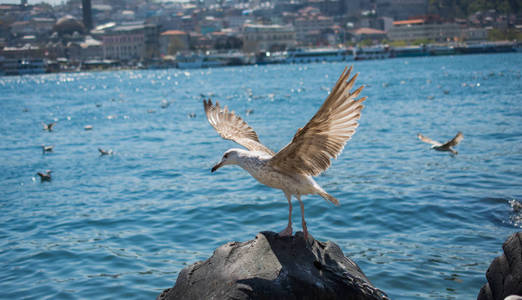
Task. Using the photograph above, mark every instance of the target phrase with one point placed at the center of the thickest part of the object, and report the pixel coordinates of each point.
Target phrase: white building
(258, 37)
(124, 43)
(130, 42)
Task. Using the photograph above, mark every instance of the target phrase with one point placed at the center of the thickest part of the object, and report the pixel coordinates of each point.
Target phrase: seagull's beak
(217, 166)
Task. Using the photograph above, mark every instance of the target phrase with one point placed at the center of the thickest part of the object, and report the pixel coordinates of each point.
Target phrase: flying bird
(308, 154)
(45, 176)
(448, 146)
(48, 127)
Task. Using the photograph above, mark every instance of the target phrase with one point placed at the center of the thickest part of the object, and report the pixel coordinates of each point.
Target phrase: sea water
(421, 224)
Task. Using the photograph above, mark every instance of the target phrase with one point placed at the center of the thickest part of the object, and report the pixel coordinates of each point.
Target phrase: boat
(232, 58)
(318, 55)
(486, 47)
(436, 50)
(409, 51)
(196, 60)
(23, 66)
(267, 58)
(374, 52)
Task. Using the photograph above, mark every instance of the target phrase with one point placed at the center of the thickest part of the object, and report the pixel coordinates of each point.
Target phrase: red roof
(406, 22)
(173, 32)
(360, 31)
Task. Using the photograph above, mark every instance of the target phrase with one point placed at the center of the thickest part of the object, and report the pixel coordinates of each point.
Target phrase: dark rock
(504, 275)
(274, 267)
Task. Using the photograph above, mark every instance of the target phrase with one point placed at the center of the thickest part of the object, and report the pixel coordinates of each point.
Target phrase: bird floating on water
(45, 176)
(47, 148)
(448, 146)
(105, 152)
(308, 154)
(164, 103)
(48, 127)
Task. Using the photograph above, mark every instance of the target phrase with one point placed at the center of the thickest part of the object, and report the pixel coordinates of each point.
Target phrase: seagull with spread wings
(448, 146)
(308, 154)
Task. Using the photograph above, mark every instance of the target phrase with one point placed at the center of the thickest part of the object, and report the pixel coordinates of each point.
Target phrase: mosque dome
(68, 25)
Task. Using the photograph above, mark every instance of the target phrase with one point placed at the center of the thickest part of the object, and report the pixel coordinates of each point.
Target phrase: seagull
(443, 147)
(46, 176)
(48, 127)
(164, 103)
(105, 152)
(47, 148)
(308, 154)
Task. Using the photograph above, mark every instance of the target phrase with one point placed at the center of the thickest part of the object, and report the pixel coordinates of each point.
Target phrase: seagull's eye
(226, 155)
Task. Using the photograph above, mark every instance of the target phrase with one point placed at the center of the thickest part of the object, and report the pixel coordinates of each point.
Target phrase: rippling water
(421, 224)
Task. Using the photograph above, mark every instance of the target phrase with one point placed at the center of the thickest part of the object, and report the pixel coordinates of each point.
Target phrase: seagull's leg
(453, 151)
(303, 222)
(288, 230)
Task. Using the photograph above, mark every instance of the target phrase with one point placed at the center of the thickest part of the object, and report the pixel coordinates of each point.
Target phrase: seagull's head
(231, 157)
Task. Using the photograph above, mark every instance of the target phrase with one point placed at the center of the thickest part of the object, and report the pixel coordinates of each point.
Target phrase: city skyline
(57, 2)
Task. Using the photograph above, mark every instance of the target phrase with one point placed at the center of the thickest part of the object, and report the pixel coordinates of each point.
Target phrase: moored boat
(374, 52)
(23, 66)
(318, 55)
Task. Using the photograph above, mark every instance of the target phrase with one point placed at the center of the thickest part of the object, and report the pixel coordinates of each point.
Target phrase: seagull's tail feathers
(328, 197)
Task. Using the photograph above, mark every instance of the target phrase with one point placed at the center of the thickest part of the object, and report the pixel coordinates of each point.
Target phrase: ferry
(212, 60)
(267, 58)
(196, 61)
(318, 55)
(374, 52)
(486, 47)
(23, 66)
(436, 50)
(409, 51)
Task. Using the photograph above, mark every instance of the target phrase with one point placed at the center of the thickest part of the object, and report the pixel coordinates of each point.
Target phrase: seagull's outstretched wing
(325, 135)
(232, 127)
(428, 140)
(454, 142)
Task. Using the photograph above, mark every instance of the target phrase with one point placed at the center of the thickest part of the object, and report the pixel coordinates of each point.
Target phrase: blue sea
(421, 224)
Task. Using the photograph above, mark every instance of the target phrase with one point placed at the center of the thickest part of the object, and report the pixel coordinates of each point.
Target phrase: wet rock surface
(274, 267)
(504, 275)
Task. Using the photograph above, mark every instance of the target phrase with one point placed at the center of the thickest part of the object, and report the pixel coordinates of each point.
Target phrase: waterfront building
(418, 29)
(173, 41)
(257, 37)
(91, 48)
(131, 42)
(474, 34)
